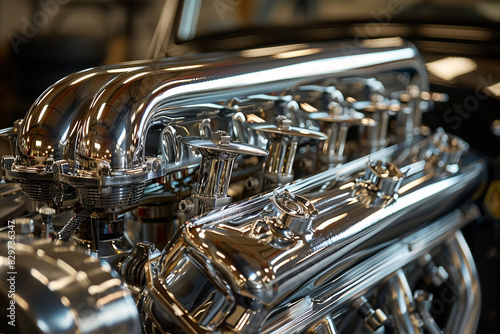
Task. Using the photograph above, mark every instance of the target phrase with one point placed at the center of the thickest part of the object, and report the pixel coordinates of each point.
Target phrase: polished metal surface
(378, 110)
(59, 289)
(325, 326)
(215, 171)
(47, 223)
(99, 147)
(465, 313)
(255, 191)
(398, 299)
(340, 293)
(269, 265)
(282, 146)
(373, 319)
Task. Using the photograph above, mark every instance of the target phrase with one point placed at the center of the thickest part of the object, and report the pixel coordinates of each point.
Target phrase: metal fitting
(47, 214)
(186, 206)
(296, 212)
(23, 226)
(383, 178)
(221, 138)
(283, 123)
(374, 319)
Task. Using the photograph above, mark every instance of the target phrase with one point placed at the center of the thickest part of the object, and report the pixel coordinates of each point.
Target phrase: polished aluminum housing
(60, 289)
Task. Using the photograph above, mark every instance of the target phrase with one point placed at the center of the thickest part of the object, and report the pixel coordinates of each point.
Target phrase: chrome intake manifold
(289, 189)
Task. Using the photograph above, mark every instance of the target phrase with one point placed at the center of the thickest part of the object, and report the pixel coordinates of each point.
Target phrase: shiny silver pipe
(423, 300)
(48, 133)
(466, 311)
(325, 326)
(114, 119)
(133, 100)
(397, 297)
(53, 119)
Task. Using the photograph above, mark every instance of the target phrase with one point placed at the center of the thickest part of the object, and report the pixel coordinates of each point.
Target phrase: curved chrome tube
(108, 112)
(398, 298)
(133, 100)
(465, 313)
(423, 299)
(48, 133)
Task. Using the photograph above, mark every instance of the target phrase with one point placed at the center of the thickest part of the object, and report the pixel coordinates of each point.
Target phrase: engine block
(288, 189)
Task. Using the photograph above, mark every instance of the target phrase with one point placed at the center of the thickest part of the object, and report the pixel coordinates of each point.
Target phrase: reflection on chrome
(289, 189)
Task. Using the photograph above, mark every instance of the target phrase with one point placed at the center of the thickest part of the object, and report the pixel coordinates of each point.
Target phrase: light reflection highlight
(451, 67)
(85, 77)
(328, 222)
(42, 112)
(243, 321)
(308, 69)
(134, 77)
(297, 53)
(493, 89)
(101, 109)
(183, 68)
(39, 276)
(61, 283)
(104, 286)
(382, 42)
(307, 107)
(101, 302)
(270, 51)
(122, 70)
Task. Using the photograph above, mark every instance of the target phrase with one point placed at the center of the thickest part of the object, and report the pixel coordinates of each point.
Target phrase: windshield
(202, 17)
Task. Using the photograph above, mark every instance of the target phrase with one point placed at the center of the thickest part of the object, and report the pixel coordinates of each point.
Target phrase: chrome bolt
(23, 226)
(186, 206)
(438, 276)
(374, 319)
(221, 138)
(283, 123)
